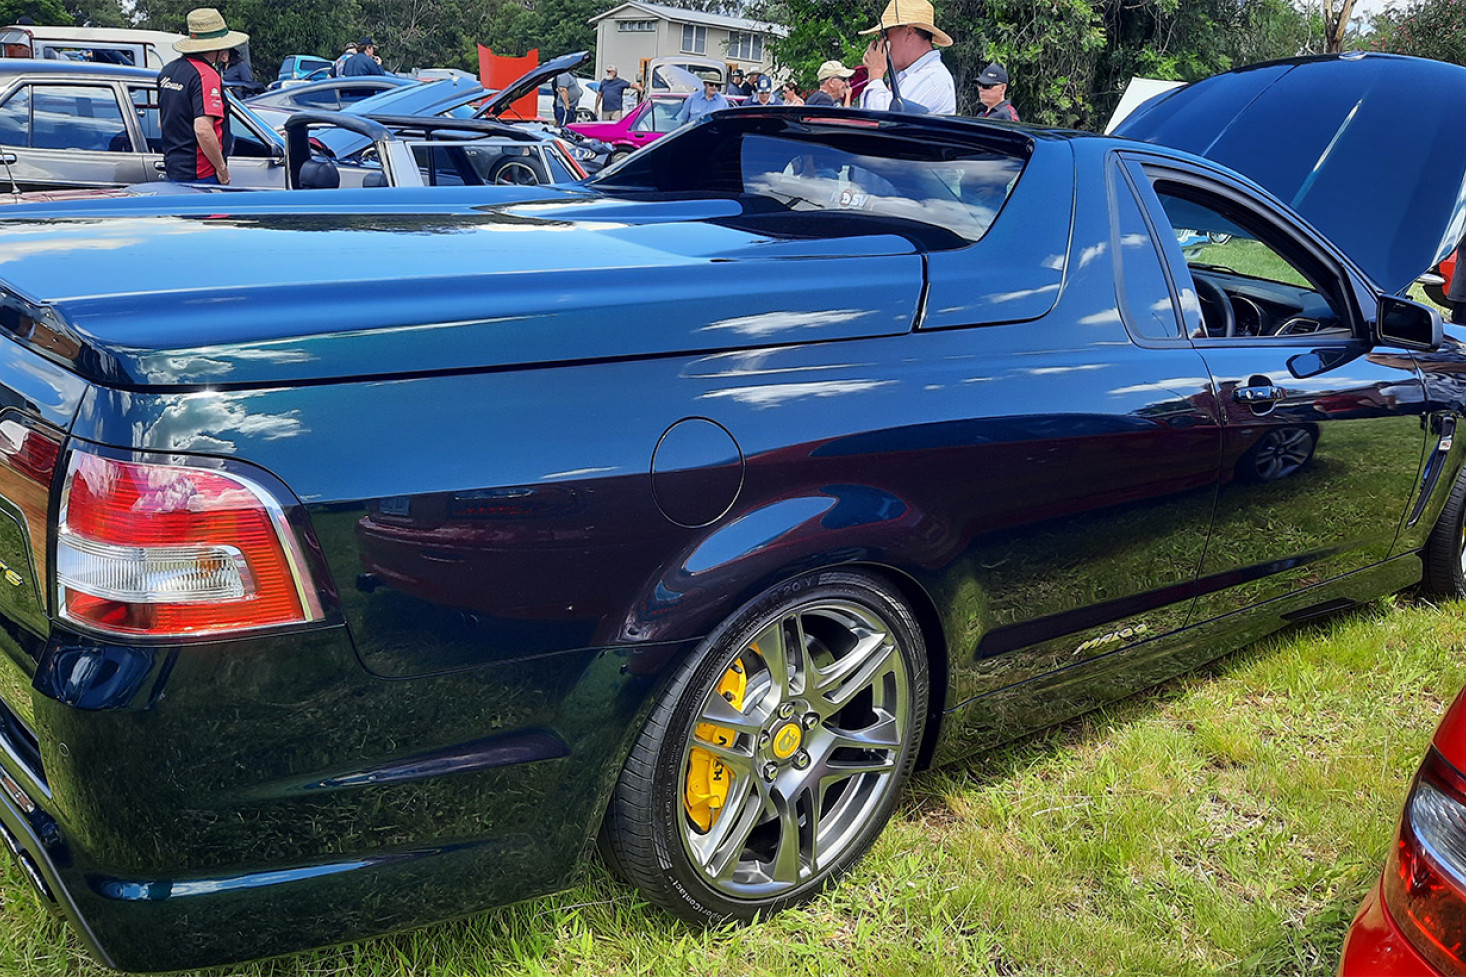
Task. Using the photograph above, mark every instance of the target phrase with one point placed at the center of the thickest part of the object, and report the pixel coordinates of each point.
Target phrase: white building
(631, 34)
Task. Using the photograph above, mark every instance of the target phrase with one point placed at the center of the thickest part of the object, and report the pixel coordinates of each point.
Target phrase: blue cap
(765, 84)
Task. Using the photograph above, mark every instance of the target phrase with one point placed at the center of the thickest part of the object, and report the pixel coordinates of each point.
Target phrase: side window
(145, 104)
(664, 116)
(1252, 278)
(15, 118)
(350, 96)
(323, 98)
(1144, 294)
(247, 142)
(77, 117)
(443, 166)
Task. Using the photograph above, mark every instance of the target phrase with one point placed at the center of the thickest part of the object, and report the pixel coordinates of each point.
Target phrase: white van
(103, 45)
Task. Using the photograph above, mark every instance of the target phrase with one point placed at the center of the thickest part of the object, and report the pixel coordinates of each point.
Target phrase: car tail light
(173, 550)
(1425, 877)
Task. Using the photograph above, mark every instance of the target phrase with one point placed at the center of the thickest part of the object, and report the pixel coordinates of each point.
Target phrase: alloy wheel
(795, 750)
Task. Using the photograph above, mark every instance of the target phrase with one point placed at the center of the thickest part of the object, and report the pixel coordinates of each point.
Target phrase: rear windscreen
(957, 186)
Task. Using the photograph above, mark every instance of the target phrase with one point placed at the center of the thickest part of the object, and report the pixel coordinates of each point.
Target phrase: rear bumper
(1376, 947)
(209, 814)
(30, 833)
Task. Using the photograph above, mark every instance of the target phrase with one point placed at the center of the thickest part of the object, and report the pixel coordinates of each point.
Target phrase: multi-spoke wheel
(776, 758)
(1280, 452)
(516, 172)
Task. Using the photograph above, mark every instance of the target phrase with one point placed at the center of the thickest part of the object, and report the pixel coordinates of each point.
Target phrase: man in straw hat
(908, 33)
(834, 79)
(193, 114)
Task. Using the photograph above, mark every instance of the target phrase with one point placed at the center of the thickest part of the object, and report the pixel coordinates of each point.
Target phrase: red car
(1414, 920)
(651, 119)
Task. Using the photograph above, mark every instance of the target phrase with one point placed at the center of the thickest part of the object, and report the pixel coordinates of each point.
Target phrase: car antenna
(6, 158)
(897, 104)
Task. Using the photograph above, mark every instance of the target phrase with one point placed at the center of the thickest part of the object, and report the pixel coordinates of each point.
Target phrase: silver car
(67, 124)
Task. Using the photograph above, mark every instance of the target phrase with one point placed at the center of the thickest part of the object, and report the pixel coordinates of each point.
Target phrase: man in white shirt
(699, 104)
(923, 82)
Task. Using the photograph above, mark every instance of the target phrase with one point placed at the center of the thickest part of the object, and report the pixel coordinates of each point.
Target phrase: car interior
(1251, 279)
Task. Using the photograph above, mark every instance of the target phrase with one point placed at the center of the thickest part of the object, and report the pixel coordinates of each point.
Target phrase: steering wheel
(1214, 294)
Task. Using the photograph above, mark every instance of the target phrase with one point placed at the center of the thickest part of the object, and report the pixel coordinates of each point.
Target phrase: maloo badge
(787, 740)
(1124, 634)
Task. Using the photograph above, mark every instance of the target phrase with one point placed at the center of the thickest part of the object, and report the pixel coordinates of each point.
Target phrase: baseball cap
(765, 83)
(365, 42)
(833, 69)
(993, 74)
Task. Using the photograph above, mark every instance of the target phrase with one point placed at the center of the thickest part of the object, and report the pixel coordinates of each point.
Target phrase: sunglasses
(986, 87)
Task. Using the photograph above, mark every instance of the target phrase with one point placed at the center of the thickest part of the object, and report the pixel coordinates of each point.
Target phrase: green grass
(1227, 823)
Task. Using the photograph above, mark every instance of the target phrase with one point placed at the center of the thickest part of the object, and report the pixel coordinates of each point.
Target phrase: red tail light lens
(1425, 878)
(173, 550)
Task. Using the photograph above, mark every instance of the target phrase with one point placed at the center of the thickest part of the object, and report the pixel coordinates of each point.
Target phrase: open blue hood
(1369, 148)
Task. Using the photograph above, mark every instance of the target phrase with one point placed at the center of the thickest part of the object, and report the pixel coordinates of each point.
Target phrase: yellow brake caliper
(708, 779)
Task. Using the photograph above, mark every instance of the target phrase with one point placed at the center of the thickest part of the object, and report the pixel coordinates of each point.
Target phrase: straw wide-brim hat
(912, 13)
(208, 32)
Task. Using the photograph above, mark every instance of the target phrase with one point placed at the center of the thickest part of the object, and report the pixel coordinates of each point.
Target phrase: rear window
(953, 187)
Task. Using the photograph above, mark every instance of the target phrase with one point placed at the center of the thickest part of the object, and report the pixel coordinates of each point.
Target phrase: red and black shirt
(188, 89)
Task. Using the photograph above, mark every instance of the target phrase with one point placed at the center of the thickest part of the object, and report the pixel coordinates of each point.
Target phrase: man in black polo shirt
(193, 113)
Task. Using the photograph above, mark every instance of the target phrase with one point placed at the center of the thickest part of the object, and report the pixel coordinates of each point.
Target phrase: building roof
(682, 16)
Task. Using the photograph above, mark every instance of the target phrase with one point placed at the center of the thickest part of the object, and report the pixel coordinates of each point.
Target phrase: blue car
(371, 558)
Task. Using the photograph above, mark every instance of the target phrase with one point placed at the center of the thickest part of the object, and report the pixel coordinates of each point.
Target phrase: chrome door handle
(160, 166)
(8, 158)
(1260, 395)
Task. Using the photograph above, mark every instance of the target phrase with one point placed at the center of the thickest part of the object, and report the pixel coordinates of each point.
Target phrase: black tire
(518, 171)
(1445, 550)
(584, 115)
(618, 156)
(800, 804)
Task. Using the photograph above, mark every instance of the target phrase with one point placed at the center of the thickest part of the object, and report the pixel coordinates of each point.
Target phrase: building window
(694, 39)
(636, 25)
(745, 47)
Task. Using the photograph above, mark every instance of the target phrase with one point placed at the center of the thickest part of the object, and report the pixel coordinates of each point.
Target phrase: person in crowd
(992, 91)
(763, 92)
(906, 42)
(736, 85)
(834, 79)
(789, 94)
(609, 99)
(567, 97)
(193, 113)
(699, 104)
(238, 74)
(364, 61)
(340, 62)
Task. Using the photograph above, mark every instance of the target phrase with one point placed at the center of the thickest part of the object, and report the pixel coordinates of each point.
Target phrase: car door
(255, 157)
(61, 134)
(1321, 435)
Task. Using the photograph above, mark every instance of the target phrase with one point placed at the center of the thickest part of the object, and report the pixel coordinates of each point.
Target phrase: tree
(1427, 29)
(1336, 14)
(41, 11)
(818, 32)
(96, 13)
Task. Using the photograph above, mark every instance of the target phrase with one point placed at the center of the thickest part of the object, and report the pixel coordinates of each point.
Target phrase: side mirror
(1400, 322)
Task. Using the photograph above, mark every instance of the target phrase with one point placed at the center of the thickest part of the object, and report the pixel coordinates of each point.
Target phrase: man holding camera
(907, 43)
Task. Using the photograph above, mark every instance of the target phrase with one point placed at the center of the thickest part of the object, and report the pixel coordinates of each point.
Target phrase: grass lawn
(1228, 822)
